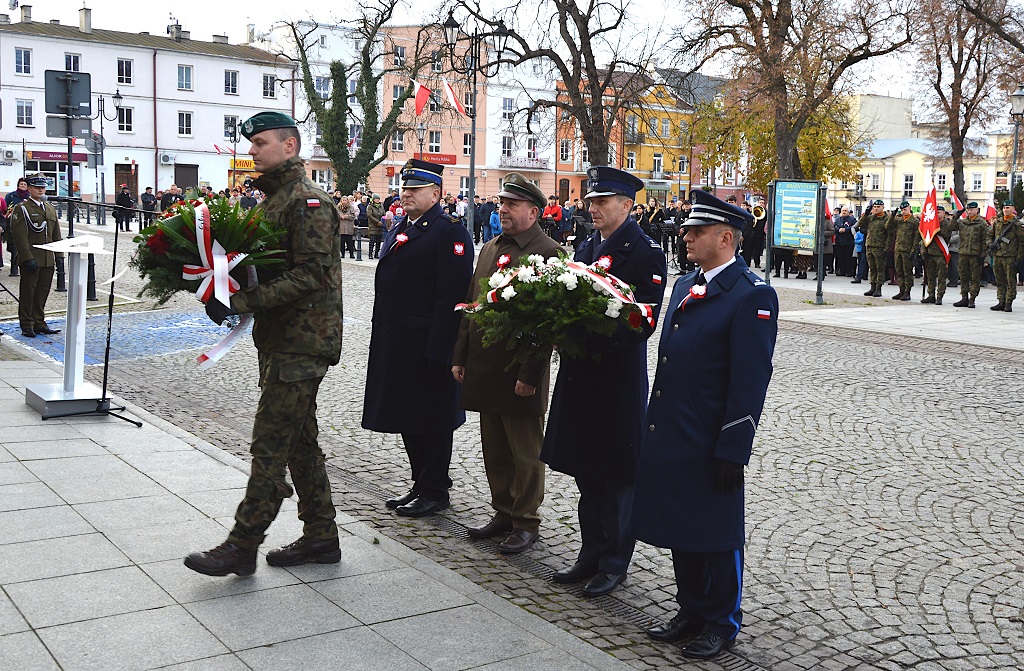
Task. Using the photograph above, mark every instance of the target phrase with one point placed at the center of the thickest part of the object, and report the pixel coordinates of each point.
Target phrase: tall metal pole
(1013, 167)
(474, 50)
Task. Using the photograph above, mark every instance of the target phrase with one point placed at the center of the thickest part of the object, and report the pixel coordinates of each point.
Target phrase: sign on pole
(57, 126)
(795, 214)
(68, 93)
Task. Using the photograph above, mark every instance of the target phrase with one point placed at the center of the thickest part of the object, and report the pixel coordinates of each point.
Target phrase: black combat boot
(899, 296)
(905, 296)
(306, 551)
(871, 291)
(938, 301)
(998, 307)
(962, 303)
(224, 559)
(970, 303)
(878, 291)
(1008, 307)
(930, 299)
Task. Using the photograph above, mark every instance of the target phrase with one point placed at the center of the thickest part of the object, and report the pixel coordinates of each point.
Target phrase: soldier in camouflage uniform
(1007, 246)
(905, 228)
(935, 265)
(34, 222)
(874, 225)
(973, 231)
(297, 333)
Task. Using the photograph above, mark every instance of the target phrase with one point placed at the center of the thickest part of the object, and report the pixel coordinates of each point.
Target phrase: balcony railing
(657, 174)
(523, 162)
(634, 136)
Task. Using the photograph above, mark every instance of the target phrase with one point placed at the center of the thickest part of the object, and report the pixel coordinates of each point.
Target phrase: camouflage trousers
(936, 271)
(905, 271)
(1005, 270)
(970, 275)
(284, 435)
(876, 266)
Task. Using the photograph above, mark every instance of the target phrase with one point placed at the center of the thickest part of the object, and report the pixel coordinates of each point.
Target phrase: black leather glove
(728, 476)
(31, 266)
(218, 312)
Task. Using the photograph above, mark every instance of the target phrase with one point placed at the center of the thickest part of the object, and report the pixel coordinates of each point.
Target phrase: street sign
(57, 93)
(57, 126)
(94, 160)
(95, 143)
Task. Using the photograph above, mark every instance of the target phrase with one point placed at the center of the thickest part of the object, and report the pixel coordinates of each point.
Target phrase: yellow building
(656, 145)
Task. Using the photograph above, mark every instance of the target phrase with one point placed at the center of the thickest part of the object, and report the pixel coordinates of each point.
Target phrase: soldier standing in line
(973, 231)
(874, 224)
(34, 222)
(935, 266)
(904, 227)
(297, 333)
(1007, 247)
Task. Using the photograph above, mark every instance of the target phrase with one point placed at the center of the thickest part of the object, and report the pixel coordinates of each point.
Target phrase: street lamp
(421, 132)
(1016, 111)
(499, 40)
(101, 114)
(234, 155)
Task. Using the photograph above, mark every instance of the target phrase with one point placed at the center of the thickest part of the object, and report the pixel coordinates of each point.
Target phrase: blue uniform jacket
(597, 409)
(409, 385)
(714, 365)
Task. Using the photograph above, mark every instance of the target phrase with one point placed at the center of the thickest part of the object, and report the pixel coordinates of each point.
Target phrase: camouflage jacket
(297, 306)
(906, 232)
(973, 235)
(945, 233)
(875, 230)
(1012, 247)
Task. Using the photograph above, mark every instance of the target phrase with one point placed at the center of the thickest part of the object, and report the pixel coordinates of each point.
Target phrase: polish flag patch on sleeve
(460, 249)
(312, 202)
(657, 279)
(764, 314)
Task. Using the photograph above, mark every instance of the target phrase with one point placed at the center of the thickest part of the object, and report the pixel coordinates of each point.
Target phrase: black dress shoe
(518, 541)
(28, 333)
(306, 551)
(495, 527)
(47, 330)
(224, 559)
(401, 500)
(577, 572)
(421, 507)
(677, 629)
(603, 583)
(706, 646)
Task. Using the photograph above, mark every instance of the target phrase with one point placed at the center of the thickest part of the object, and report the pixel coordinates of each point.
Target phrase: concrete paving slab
(144, 511)
(34, 560)
(13, 473)
(219, 663)
(17, 526)
(460, 638)
(27, 495)
(25, 652)
(186, 471)
(187, 586)
(221, 502)
(17, 414)
(133, 641)
(13, 394)
(545, 659)
(11, 620)
(272, 616)
(167, 541)
(41, 432)
(87, 479)
(86, 596)
(390, 595)
(126, 444)
(357, 558)
(360, 649)
(5, 456)
(115, 431)
(56, 449)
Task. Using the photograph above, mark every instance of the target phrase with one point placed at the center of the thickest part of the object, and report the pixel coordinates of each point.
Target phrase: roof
(692, 87)
(189, 46)
(891, 147)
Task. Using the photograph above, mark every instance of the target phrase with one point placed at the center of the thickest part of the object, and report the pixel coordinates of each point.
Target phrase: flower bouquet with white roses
(553, 302)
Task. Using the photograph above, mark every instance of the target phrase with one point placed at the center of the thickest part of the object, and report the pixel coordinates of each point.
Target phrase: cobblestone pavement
(884, 498)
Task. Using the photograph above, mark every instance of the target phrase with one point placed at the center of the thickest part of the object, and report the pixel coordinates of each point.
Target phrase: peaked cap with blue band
(416, 173)
(608, 181)
(708, 210)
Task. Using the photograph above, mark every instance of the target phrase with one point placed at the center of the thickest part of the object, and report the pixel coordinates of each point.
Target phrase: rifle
(998, 242)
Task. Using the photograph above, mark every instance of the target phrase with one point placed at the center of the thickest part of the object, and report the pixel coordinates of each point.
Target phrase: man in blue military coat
(425, 267)
(582, 440)
(714, 365)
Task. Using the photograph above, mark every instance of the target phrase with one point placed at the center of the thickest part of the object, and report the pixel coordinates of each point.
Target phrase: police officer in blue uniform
(425, 267)
(582, 439)
(714, 365)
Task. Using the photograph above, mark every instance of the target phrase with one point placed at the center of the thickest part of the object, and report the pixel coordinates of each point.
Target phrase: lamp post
(499, 39)
(101, 114)
(1016, 111)
(234, 154)
(421, 132)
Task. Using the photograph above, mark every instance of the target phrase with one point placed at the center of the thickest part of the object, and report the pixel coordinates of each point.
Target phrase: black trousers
(710, 586)
(606, 527)
(430, 454)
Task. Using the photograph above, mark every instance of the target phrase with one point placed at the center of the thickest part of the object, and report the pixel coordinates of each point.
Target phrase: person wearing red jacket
(552, 216)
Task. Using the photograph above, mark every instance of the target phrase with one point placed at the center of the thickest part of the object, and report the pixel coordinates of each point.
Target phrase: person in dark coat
(426, 264)
(714, 365)
(598, 450)
(123, 213)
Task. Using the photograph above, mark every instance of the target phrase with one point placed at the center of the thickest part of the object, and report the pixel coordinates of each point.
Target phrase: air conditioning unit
(167, 159)
(11, 155)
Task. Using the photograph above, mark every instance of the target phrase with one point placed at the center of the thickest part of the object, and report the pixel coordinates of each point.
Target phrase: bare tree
(794, 53)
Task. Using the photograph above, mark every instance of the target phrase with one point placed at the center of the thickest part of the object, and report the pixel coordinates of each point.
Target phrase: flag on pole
(956, 201)
(222, 150)
(828, 209)
(930, 224)
(452, 99)
(422, 95)
(990, 212)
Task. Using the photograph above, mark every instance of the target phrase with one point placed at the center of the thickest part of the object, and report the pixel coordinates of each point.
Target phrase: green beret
(517, 187)
(905, 203)
(878, 202)
(266, 121)
(1008, 203)
(971, 204)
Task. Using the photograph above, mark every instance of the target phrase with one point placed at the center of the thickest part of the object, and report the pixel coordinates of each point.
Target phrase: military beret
(416, 173)
(905, 203)
(266, 121)
(971, 204)
(36, 180)
(940, 208)
(608, 181)
(878, 201)
(518, 187)
(1008, 203)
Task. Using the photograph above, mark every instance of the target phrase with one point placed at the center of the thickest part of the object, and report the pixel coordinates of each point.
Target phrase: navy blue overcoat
(714, 365)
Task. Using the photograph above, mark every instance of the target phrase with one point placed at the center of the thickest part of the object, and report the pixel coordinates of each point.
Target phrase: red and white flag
(223, 150)
(422, 95)
(453, 100)
(929, 225)
(828, 209)
(990, 212)
(956, 201)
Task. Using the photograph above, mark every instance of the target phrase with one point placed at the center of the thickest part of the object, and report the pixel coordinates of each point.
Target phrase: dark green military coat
(1013, 245)
(906, 233)
(33, 224)
(973, 235)
(875, 230)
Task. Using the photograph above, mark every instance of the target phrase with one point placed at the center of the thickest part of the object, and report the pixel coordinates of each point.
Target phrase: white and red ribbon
(216, 262)
(615, 287)
(210, 357)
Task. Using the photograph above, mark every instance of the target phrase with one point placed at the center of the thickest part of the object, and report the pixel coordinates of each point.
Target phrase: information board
(794, 215)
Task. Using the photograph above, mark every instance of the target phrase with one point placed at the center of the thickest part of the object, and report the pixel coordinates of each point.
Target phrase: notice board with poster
(796, 208)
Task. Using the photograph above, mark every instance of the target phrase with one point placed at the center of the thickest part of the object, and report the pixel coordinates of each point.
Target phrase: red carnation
(158, 243)
(635, 320)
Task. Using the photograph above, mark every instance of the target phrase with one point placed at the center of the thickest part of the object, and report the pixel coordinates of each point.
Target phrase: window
(323, 41)
(531, 147)
(684, 165)
(908, 186)
(184, 77)
(124, 71)
(940, 181)
(397, 91)
(355, 133)
(231, 82)
(630, 160)
(875, 181)
(22, 61)
(435, 142)
(507, 109)
(25, 112)
(269, 86)
(436, 64)
(435, 102)
(399, 59)
(585, 153)
(666, 127)
(125, 119)
(507, 145)
(464, 186)
(467, 102)
(657, 164)
(398, 141)
(185, 123)
(323, 87)
(319, 133)
(230, 127)
(564, 151)
(352, 84)
(395, 181)
(612, 156)
(73, 62)
(467, 144)
(975, 181)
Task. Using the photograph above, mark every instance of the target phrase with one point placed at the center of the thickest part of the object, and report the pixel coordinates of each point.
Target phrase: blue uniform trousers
(606, 528)
(710, 586)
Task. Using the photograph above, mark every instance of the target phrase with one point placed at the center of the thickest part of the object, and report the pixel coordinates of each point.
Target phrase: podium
(74, 395)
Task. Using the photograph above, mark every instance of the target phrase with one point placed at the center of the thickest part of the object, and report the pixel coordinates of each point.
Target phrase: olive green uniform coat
(34, 224)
